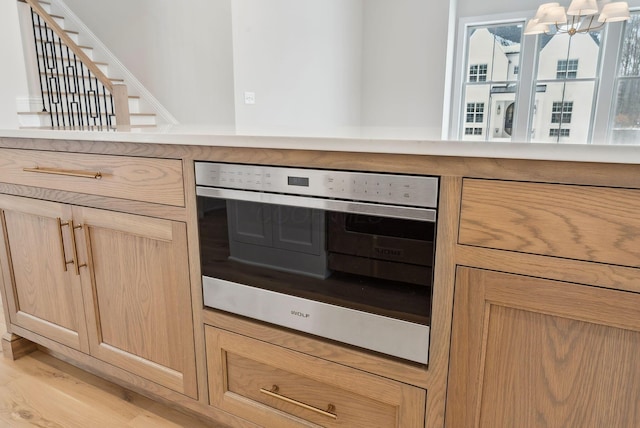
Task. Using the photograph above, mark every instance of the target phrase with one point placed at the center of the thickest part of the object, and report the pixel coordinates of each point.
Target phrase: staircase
(76, 91)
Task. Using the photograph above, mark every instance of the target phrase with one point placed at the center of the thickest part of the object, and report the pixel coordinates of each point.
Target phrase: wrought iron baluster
(113, 109)
(35, 40)
(96, 94)
(77, 95)
(71, 92)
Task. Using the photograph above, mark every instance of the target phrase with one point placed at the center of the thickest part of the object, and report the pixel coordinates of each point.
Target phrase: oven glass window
(370, 263)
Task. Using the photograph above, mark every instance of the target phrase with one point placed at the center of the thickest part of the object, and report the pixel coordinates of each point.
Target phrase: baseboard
(26, 104)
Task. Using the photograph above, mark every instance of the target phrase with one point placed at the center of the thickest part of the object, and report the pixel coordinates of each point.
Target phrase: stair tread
(46, 113)
(80, 46)
(65, 30)
(57, 57)
(89, 128)
(136, 97)
(113, 79)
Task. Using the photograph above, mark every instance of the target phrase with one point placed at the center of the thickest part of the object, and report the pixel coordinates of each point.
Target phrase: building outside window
(478, 73)
(559, 132)
(472, 131)
(475, 112)
(567, 69)
(561, 112)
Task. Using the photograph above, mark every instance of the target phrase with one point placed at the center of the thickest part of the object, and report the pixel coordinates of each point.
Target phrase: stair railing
(75, 92)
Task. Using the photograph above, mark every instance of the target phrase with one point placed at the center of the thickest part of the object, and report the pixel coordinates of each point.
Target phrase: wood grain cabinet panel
(276, 387)
(576, 222)
(136, 178)
(43, 293)
(530, 352)
(124, 298)
(138, 295)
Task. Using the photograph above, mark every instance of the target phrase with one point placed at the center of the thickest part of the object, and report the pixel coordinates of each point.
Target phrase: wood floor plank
(39, 390)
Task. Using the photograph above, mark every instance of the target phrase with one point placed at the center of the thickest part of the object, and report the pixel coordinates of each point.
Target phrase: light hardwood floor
(38, 390)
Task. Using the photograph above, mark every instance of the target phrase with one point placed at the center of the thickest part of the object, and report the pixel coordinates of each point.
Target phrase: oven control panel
(407, 190)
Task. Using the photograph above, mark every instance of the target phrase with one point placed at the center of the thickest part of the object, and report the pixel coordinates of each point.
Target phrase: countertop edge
(623, 154)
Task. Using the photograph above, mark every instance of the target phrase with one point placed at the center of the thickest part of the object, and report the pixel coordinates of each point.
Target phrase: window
(489, 84)
(478, 73)
(567, 69)
(597, 103)
(561, 112)
(472, 131)
(475, 112)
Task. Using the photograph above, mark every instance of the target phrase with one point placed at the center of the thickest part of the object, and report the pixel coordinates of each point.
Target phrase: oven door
(334, 269)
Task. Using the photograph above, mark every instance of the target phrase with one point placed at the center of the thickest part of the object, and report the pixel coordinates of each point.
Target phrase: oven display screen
(298, 181)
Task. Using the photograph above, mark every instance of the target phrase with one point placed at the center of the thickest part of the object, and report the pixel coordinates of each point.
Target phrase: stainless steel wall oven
(343, 255)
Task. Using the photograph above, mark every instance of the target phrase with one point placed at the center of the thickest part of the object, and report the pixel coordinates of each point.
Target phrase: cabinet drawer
(277, 387)
(576, 222)
(141, 179)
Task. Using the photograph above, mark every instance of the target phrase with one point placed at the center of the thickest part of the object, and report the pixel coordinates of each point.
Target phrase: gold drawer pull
(74, 246)
(273, 392)
(71, 173)
(65, 262)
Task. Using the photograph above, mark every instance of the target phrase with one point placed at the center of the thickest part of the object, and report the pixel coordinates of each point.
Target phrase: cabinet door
(138, 295)
(36, 254)
(529, 352)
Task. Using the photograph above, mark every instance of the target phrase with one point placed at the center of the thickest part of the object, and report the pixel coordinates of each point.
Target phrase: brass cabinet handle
(71, 173)
(65, 262)
(273, 392)
(75, 248)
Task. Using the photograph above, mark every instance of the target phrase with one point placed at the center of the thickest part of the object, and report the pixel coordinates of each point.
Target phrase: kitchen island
(535, 300)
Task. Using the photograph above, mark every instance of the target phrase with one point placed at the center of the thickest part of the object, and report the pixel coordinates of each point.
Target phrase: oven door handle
(382, 210)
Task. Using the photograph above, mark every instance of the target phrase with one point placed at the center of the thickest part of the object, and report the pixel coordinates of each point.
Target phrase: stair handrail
(118, 91)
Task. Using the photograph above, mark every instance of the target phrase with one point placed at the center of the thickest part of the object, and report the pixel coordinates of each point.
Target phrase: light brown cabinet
(542, 353)
(124, 297)
(45, 295)
(535, 351)
(137, 295)
(127, 177)
(277, 387)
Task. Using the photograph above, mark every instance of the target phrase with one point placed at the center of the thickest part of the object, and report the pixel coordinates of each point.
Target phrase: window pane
(565, 87)
(625, 128)
(555, 119)
(492, 66)
(630, 51)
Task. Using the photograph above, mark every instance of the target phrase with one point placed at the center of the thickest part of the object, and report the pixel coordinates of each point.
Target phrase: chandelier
(582, 16)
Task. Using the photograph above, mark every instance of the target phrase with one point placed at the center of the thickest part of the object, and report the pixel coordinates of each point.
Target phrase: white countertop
(183, 135)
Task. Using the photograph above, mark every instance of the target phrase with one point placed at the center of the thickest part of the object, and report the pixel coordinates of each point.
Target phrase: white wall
(13, 80)
(313, 64)
(302, 60)
(405, 48)
(180, 51)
